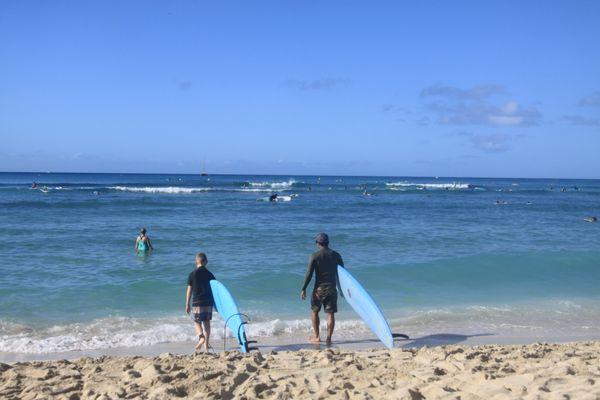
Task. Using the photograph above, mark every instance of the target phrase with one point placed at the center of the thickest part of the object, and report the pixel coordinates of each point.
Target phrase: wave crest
(432, 186)
(274, 185)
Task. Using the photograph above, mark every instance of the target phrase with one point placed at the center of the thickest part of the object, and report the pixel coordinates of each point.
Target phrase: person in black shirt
(198, 285)
(323, 264)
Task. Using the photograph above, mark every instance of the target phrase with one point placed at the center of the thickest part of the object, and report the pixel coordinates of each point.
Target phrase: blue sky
(507, 88)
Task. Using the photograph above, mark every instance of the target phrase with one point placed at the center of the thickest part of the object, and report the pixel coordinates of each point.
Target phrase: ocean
(466, 256)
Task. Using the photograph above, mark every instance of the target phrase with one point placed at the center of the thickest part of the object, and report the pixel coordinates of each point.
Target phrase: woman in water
(142, 242)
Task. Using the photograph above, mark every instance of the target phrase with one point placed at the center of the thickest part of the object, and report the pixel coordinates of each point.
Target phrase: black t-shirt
(199, 280)
(323, 264)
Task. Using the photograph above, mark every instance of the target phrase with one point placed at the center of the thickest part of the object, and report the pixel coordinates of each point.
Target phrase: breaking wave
(429, 186)
(115, 332)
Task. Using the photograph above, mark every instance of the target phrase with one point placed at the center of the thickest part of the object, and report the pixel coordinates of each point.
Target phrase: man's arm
(137, 241)
(188, 296)
(309, 273)
(149, 244)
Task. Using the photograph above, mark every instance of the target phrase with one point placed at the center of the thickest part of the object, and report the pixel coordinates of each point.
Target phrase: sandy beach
(534, 371)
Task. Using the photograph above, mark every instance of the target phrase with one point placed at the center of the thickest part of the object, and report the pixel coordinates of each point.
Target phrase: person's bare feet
(201, 341)
(314, 339)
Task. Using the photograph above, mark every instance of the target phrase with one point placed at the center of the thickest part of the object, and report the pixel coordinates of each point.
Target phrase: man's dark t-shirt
(323, 264)
(199, 280)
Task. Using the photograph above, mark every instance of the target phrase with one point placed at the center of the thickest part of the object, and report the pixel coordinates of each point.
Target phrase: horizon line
(289, 175)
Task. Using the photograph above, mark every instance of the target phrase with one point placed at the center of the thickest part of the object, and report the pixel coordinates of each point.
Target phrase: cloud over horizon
(591, 100)
(491, 143)
(474, 106)
(316, 84)
(580, 120)
(184, 85)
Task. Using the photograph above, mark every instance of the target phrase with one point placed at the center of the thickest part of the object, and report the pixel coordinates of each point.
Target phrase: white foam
(561, 317)
(167, 190)
(182, 190)
(274, 185)
(252, 190)
(115, 332)
(421, 186)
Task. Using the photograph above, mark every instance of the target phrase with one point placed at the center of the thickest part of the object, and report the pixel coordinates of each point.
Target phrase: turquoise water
(436, 254)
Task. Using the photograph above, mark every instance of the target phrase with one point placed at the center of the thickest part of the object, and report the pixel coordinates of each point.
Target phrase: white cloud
(474, 106)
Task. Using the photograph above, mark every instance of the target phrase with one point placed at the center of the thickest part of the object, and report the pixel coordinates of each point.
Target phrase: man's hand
(303, 294)
(187, 309)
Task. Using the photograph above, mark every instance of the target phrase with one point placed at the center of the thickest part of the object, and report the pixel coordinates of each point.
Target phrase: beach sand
(534, 371)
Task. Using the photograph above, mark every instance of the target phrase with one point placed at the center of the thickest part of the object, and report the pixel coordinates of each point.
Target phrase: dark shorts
(202, 313)
(325, 296)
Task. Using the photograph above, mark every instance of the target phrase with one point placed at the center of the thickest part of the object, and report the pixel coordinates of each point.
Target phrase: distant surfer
(202, 303)
(273, 197)
(142, 242)
(323, 264)
(591, 219)
(34, 185)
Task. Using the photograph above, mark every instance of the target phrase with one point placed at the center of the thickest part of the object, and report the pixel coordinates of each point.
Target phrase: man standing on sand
(202, 301)
(323, 263)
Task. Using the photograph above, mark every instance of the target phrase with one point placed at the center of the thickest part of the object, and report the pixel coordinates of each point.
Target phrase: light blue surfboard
(365, 306)
(228, 310)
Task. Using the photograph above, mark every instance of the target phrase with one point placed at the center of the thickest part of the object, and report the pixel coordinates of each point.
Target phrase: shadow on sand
(438, 339)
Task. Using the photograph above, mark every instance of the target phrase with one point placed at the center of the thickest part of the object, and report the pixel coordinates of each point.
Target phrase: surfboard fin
(250, 348)
(400, 336)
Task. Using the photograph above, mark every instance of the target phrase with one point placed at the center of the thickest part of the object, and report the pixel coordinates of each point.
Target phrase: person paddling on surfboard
(202, 301)
(142, 242)
(323, 264)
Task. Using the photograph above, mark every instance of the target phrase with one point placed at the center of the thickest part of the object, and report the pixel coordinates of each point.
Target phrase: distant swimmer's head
(201, 260)
(322, 239)
(143, 231)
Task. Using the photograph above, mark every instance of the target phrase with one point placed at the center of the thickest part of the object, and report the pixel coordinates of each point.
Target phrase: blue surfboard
(365, 306)
(228, 310)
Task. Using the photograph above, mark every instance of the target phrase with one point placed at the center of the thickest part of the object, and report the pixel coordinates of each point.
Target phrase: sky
(398, 88)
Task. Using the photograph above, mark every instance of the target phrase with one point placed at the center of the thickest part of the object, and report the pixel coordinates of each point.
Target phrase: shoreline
(359, 342)
(541, 370)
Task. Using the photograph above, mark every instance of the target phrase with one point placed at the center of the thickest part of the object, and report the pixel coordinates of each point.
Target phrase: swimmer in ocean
(142, 242)
(273, 197)
(591, 219)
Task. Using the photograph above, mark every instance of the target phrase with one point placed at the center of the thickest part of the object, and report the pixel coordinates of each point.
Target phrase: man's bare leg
(330, 326)
(206, 331)
(201, 338)
(315, 325)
